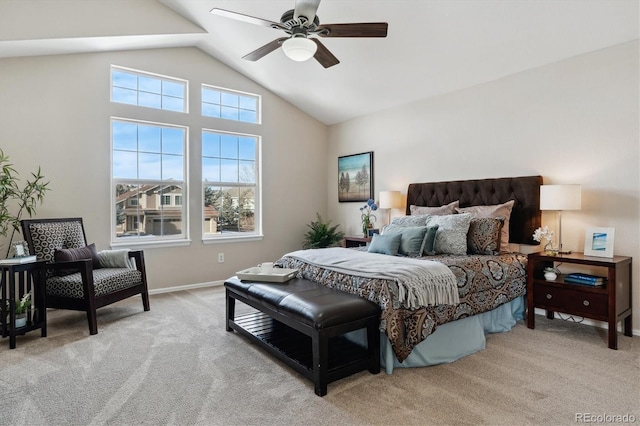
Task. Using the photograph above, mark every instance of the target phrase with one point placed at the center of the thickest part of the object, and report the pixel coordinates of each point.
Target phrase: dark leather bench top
(308, 302)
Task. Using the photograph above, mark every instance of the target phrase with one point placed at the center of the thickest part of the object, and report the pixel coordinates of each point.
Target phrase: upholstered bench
(302, 323)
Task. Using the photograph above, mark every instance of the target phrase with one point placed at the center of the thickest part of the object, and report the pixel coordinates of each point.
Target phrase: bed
(491, 287)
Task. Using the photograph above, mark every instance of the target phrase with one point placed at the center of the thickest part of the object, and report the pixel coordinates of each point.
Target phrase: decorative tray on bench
(278, 275)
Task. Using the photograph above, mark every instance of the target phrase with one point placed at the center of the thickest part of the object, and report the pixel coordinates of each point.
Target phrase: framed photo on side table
(599, 242)
(355, 177)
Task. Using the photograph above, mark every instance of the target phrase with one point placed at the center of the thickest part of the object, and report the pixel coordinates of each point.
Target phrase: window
(229, 174)
(150, 126)
(148, 169)
(230, 105)
(148, 90)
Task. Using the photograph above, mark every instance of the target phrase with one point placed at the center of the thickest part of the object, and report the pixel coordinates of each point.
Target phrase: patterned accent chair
(75, 284)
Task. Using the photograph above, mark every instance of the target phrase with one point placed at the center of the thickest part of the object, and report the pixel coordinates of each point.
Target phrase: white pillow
(442, 210)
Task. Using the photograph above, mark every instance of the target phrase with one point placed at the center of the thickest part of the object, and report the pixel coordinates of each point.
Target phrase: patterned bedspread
(484, 283)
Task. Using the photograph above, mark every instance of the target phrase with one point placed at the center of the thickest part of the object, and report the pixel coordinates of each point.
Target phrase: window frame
(185, 99)
(177, 239)
(256, 234)
(257, 98)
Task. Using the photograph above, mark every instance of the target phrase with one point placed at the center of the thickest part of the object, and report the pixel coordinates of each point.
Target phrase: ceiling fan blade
(364, 29)
(264, 50)
(306, 8)
(246, 18)
(323, 55)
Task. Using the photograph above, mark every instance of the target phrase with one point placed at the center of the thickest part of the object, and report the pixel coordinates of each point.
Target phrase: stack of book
(579, 278)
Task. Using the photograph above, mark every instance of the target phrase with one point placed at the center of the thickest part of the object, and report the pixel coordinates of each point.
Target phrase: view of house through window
(229, 170)
(148, 173)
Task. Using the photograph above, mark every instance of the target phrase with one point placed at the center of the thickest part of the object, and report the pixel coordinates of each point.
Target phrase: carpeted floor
(177, 365)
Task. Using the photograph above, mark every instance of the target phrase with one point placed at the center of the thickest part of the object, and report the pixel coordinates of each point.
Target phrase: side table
(355, 241)
(17, 280)
(610, 302)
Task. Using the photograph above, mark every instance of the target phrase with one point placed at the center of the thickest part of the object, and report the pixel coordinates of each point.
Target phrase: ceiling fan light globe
(299, 48)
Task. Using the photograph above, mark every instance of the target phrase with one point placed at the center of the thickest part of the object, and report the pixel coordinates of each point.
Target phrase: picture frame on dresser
(599, 242)
(355, 177)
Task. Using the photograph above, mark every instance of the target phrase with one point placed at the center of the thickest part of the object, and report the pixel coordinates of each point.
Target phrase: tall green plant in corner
(12, 196)
(321, 234)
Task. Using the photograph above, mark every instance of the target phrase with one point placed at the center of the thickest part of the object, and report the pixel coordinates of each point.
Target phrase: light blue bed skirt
(453, 340)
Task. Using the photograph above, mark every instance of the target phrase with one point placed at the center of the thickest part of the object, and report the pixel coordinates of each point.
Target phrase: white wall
(55, 111)
(575, 121)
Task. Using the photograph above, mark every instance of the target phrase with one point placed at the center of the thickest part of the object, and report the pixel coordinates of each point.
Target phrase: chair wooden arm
(138, 256)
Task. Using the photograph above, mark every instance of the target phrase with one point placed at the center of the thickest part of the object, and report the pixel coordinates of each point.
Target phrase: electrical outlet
(220, 257)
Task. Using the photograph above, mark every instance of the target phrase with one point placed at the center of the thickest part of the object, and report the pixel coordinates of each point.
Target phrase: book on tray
(580, 278)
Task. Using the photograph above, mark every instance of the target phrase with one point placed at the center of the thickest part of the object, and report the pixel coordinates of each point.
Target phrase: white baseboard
(587, 321)
(186, 287)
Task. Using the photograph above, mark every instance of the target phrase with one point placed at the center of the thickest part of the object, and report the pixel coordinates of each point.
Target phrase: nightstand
(610, 302)
(355, 241)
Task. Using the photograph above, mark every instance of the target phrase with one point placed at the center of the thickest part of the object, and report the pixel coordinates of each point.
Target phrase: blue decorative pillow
(385, 244)
(429, 243)
(411, 238)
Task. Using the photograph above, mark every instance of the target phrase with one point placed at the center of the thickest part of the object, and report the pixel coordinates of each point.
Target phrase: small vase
(365, 227)
(550, 276)
(550, 250)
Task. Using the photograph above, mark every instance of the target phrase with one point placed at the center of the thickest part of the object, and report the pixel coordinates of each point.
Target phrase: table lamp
(390, 200)
(559, 198)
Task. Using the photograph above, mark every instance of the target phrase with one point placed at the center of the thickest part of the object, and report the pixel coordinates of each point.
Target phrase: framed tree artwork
(355, 177)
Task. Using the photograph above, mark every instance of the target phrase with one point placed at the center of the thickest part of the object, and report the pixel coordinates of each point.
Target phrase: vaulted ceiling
(433, 47)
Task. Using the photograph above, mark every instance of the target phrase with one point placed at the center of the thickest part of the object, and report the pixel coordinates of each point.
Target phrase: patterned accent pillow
(440, 211)
(451, 237)
(413, 220)
(484, 235)
(411, 238)
(497, 210)
(384, 244)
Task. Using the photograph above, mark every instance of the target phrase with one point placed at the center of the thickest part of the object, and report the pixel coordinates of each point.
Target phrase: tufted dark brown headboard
(525, 216)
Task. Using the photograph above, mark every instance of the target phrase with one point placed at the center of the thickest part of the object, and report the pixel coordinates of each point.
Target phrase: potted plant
(22, 306)
(321, 234)
(367, 217)
(11, 194)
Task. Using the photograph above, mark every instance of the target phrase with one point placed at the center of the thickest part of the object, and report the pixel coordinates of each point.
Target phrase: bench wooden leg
(231, 309)
(320, 350)
(373, 345)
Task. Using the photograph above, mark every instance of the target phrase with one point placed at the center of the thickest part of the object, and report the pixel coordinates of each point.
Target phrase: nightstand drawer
(570, 301)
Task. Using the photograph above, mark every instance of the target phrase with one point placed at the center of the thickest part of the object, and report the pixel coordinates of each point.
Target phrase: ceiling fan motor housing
(289, 21)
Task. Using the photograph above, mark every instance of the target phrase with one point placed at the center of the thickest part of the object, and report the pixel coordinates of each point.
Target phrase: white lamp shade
(390, 200)
(560, 197)
(299, 48)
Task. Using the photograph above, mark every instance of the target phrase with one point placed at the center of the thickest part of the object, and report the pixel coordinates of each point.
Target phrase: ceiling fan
(300, 23)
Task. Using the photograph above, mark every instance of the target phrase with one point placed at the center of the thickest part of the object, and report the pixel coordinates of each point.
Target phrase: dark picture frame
(355, 177)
